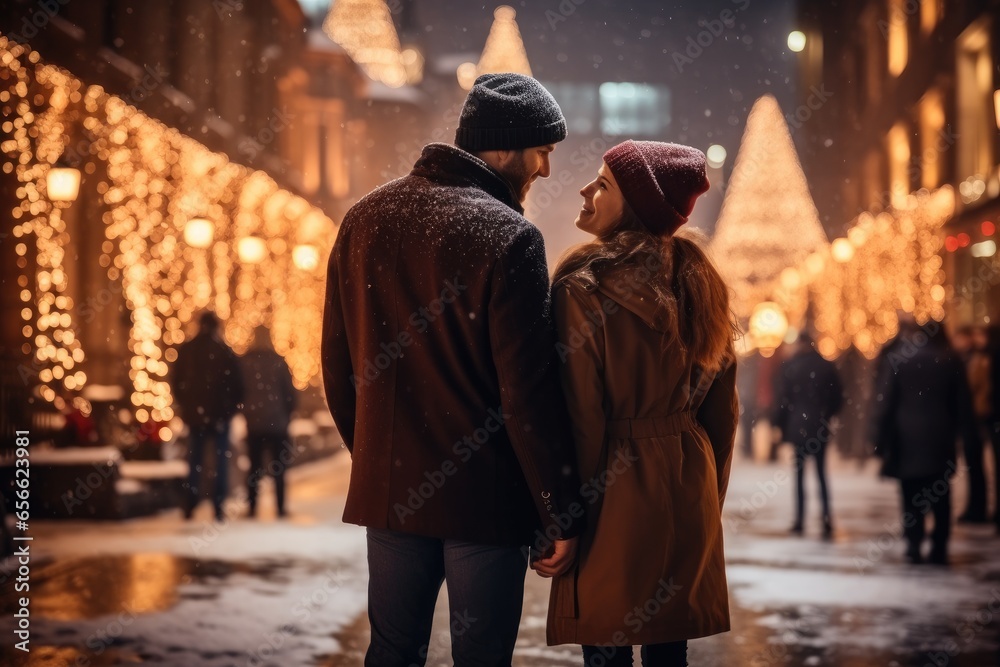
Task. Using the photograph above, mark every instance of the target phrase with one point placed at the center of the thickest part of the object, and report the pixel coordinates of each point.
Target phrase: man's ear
(503, 157)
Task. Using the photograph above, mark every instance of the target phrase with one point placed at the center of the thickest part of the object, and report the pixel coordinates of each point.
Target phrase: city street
(161, 591)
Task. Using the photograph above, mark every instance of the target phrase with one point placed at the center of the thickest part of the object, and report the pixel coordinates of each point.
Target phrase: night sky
(609, 40)
(712, 87)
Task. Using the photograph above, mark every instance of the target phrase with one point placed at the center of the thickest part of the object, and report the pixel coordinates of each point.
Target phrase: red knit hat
(660, 181)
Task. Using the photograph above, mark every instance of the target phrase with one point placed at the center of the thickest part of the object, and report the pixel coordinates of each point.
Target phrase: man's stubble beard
(519, 179)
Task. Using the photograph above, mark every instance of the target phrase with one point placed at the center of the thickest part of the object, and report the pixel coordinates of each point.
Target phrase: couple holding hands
(583, 428)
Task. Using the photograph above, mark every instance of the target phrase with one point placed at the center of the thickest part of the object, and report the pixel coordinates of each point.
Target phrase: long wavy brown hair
(688, 286)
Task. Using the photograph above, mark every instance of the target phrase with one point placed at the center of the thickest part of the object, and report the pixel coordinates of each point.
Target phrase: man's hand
(559, 561)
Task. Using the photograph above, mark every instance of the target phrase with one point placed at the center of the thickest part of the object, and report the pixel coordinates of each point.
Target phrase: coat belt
(652, 427)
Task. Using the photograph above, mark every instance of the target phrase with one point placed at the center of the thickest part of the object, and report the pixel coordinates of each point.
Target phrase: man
(208, 388)
(438, 367)
(808, 393)
(268, 405)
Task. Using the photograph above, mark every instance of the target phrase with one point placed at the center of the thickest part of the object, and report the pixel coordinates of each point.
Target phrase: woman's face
(603, 204)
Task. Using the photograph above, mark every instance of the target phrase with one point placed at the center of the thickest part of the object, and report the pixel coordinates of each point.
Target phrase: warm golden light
(768, 325)
(152, 180)
(413, 63)
(715, 156)
(928, 15)
(62, 184)
(768, 220)
(366, 31)
(899, 163)
(198, 233)
(306, 257)
(842, 250)
(796, 41)
(899, 48)
(466, 75)
(504, 48)
(252, 250)
(932, 121)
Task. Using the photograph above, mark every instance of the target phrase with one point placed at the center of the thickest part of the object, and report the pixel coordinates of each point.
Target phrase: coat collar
(450, 165)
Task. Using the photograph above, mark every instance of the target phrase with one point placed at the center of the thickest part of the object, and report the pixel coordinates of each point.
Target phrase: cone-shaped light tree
(504, 50)
(768, 221)
(364, 28)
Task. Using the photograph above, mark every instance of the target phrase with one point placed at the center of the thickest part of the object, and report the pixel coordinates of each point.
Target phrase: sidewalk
(291, 593)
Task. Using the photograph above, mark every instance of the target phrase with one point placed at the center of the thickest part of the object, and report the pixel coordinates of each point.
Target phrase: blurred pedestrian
(971, 344)
(923, 405)
(808, 393)
(439, 368)
(649, 371)
(208, 388)
(993, 350)
(268, 404)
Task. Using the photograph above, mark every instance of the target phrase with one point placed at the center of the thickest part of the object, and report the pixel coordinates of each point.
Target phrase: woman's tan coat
(654, 440)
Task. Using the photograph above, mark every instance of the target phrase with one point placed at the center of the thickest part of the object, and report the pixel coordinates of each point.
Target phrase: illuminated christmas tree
(768, 221)
(504, 50)
(364, 28)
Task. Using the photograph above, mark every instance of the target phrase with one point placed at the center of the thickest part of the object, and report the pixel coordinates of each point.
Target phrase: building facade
(899, 96)
(240, 118)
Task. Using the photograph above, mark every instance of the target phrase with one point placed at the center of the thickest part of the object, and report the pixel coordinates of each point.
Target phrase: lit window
(898, 41)
(930, 14)
(899, 161)
(634, 109)
(931, 137)
(976, 127)
(579, 104)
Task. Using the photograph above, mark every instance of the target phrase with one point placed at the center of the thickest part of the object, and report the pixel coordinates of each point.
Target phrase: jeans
(485, 591)
(671, 654)
(279, 449)
(219, 433)
(801, 454)
(920, 497)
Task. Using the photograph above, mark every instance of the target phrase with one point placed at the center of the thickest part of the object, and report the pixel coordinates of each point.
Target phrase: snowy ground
(253, 593)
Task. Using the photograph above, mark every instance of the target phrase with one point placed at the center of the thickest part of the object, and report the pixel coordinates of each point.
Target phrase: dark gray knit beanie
(509, 112)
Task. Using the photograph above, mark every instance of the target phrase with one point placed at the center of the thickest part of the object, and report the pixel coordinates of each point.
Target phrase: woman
(646, 341)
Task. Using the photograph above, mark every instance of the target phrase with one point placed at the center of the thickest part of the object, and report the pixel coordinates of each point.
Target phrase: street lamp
(716, 155)
(62, 183)
(198, 233)
(796, 41)
(767, 326)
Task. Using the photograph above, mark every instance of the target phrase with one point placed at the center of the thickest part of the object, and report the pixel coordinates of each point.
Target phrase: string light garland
(504, 48)
(364, 28)
(896, 266)
(155, 182)
(768, 220)
(772, 249)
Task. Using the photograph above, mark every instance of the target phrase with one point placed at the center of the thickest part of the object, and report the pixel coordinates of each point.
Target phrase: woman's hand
(559, 561)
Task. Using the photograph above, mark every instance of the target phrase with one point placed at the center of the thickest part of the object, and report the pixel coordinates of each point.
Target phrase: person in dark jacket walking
(208, 388)
(439, 369)
(268, 406)
(924, 404)
(993, 351)
(808, 393)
